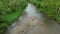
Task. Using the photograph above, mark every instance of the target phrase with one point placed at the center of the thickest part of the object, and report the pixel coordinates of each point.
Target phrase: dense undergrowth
(48, 7)
(10, 10)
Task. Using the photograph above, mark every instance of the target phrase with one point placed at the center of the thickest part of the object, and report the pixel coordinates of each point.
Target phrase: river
(33, 22)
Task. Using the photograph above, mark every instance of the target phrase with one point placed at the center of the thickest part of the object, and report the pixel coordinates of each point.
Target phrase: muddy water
(33, 22)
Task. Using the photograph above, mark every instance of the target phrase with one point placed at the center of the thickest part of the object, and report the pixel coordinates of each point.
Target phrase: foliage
(10, 10)
(49, 7)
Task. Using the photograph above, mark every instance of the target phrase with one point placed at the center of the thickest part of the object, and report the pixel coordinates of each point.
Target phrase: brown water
(33, 22)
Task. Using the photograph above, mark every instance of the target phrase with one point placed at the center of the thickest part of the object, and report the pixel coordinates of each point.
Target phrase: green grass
(10, 11)
(49, 7)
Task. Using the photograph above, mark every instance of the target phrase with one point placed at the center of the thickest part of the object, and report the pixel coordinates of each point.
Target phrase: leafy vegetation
(10, 10)
(49, 7)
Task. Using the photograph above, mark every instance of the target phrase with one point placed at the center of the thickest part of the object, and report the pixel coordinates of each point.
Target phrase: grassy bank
(49, 7)
(10, 10)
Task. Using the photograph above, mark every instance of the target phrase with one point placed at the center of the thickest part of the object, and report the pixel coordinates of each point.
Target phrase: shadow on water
(33, 22)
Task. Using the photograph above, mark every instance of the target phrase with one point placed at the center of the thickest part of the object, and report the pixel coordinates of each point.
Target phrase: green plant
(10, 10)
(49, 7)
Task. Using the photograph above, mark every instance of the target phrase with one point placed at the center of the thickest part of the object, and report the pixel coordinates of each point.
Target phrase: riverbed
(33, 22)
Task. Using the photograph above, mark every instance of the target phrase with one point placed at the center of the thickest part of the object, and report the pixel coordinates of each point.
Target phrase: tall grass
(10, 10)
(49, 7)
